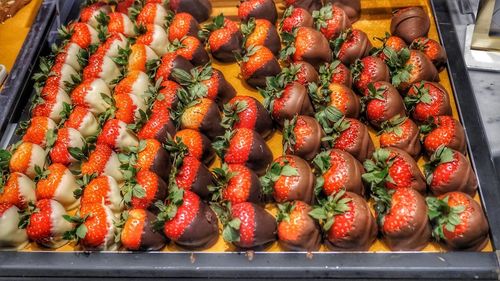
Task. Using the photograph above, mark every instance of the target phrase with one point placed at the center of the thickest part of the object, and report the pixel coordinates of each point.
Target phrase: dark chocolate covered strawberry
(244, 146)
(389, 41)
(192, 143)
(297, 231)
(382, 102)
(169, 62)
(444, 130)
(289, 178)
(338, 170)
(449, 170)
(346, 221)
(180, 25)
(187, 220)
(102, 189)
(294, 17)
(393, 168)
(409, 67)
(309, 5)
(306, 44)
(261, 32)
(225, 38)
(402, 218)
(335, 72)
(191, 174)
(302, 72)
(18, 190)
(346, 134)
(458, 222)
(351, 45)
(102, 160)
(302, 136)
(150, 156)
(403, 133)
(202, 115)
(432, 49)
(351, 7)
(427, 99)
(247, 225)
(410, 23)
(199, 9)
(259, 9)
(191, 48)
(331, 21)
(137, 232)
(247, 112)
(12, 237)
(369, 70)
(142, 189)
(236, 183)
(335, 95)
(258, 63)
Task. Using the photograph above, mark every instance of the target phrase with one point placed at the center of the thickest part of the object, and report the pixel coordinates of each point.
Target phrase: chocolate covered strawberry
(458, 222)
(182, 24)
(244, 146)
(187, 220)
(79, 33)
(141, 58)
(45, 224)
(335, 95)
(236, 183)
(143, 189)
(403, 133)
(129, 108)
(116, 135)
(202, 115)
(11, 236)
(120, 23)
(169, 62)
(154, 37)
(68, 140)
(346, 221)
(409, 67)
(51, 108)
(137, 231)
(247, 112)
(395, 43)
(338, 170)
(369, 70)
(70, 54)
(302, 137)
(335, 72)
(351, 45)
(25, 159)
(225, 38)
(114, 47)
(301, 72)
(102, 189)
(261, 32)
(444, 130)
(331, 21)
(82, 120)
(52, 76)
(289, 178)
(259, 9)
(402, 218)
(57, 183)
(295, 16)
(192, 49)
(136, 83)
(258, 63)
(427, 99)
(410, 23)
(152, 13)
(103, 67)
(297, 231)
(306, 44)
(449, 170)
(18, 190)
(432, 49)
(199, 9)
(90, 14)
(382, 102)
(394, 169)
(151, 156)
(102, 161)
(191, 174)
(192, 143)
(346, 134)
(93, 94)
(351, 7)
(247, 225)
(38, 130)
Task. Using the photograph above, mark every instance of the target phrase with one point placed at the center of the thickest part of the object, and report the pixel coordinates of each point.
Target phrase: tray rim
(465, 265)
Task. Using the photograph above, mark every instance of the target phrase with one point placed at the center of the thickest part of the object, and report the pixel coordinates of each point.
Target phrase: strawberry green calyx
(326, 71)
(40, 173)
(288, 40)
(230, 226)
(169, 210)
(442, 216)
(247, 28)
(290, 73)
(322, 16)
(79, 230)
(322, 163)
(247, 53)
(428, 126)
(131, 188)
(383, 201)
(319, 94)
(119, 225)
(419, 45)
(192, 81)
(396, 61)
(273, 174)
(422, 96)
(377, 51)
(333, 123)
(377, 170)
(222, 176)
(24, 216)
(5, 156)
(284, 211)
(356, 69)
(337, 43)
(286, 13)
(275, 87)
(82, 183)
(102, 19)
(123, 54)
(393, 125)
(230, 113)
(45, 66)
(289, 138)
(328, 208)
(221, 143)
(442, 155)
(217, 23)
(81, 154)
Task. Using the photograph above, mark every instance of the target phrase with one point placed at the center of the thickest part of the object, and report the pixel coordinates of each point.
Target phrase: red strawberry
(432, 49)
(192, 143)
(26, 158)
(91, 13)
(449, 170)
(101, 66)
(71, 55)
(225, 38)
(82, 120)
(335, 72)
(53, 108)
(52, 76)
(38, 130)
(331, 21)
(80, 33)
(154, 37)
(244, 146)
(116, 135)
(202, 115)
(169, 62)
(192, 49)
(394, 169)
(351, 7)
(294, 17)
(309, 5)
(447, 131)
(306, 44)
(58, 183)
(301, 72)
(12, 237)
(123, 6)
(152, 13)
(259, 9)
(46, 225)
(402, 218)
(19, 190)
(402, 133)
(247, 112)
(395, 43)
(159, 126)
(302, 137)
(103, 189)
(93, 94)
(236, 183)
(338, 170)
(129, 108)
(426, 100)
(102, 161)
(382, 102)
(182, 24)
(351, 45)
(120, 23)
(289, 178)
(138, 233)
(199, 9)
(151, 156)
(188, 221)
(338, 96)
(458, 221)
(369, 70)
(136, 83)
(95, 227)
(410, 23)
(409, 67)
(258, 63)
(193, 175)
(141, 58)
(347, 222)
(115, 46)
(67, 139)
(297, 231)
(261, 32)
(144, 189)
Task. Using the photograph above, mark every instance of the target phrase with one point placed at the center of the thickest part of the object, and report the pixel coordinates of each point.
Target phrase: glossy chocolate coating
(303, 188)
(265, 229)
(264, 122)
(316, 48)
(202, 232)
(379, 73)
(297, 103)
(167, 129)
(353, 104)
(349, 53)
(200, 56)
(161, 164)
(307, 74)
(225, 91)
(210, 126)
(457, 142)
(305, 19)
(362, 148)
(311, 143)
(202, 181)
(258, 78)
(411, 144)
(428, 71)
(355, 170)
(181, 63)
(415, 234)
(393, 105)
(265, 10)
(364, 230)
(151, 240)
(462, 179)
(199, 9)
(208, 155)
(444, 106)
(309, 238)
(273, 40)
(418, 180)
(410, 23)
(260, 155)
(309, 5)
(226, 52)
(160, 195)
(351, 7)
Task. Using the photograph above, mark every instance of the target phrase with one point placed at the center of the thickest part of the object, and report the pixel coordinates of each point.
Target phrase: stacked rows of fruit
(129, 113)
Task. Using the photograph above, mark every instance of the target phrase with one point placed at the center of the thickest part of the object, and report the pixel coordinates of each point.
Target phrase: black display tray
(400, 265)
